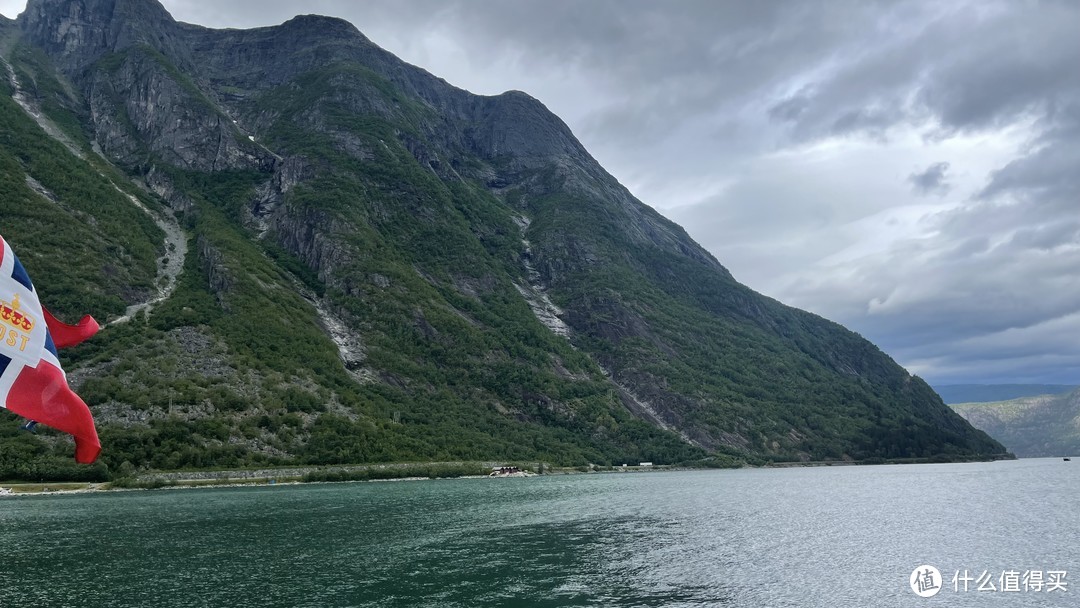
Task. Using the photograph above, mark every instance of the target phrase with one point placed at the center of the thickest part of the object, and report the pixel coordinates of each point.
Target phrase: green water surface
(840, 536)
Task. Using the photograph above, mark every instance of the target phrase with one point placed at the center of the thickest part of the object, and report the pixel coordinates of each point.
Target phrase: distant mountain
(985, 393)
(324, 254)
(1044, 425)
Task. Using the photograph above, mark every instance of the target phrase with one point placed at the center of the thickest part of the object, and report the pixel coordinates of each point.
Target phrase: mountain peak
(78, 32)
(327, 26)
(517, 125)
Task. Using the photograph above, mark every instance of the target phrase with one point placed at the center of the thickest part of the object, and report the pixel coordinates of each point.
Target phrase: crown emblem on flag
(11, 315)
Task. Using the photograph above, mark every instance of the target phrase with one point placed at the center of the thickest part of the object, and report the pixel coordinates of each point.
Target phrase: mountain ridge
(383, 266)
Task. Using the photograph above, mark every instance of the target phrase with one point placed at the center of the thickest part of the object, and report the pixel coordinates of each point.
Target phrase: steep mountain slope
(1030, 427)
(384, 267)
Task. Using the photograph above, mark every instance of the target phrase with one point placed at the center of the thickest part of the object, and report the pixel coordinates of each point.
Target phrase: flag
(32, 383)
(65, 335)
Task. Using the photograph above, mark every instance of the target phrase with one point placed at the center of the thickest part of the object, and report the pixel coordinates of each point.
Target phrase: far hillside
(1030, 427)
(986, 393)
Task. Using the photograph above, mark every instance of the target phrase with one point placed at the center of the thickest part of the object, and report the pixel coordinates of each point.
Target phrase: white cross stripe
(10, 289)
(7, 379)
(9, 260)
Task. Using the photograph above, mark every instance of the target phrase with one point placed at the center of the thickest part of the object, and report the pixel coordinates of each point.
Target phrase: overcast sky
(908, 169)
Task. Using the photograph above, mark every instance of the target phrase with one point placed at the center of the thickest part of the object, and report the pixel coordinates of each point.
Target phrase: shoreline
(63, 488)
(362, 473)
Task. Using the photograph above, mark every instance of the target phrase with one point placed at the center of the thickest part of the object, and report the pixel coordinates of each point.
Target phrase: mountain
(985, 393)
(1030, 427)
(309, 251)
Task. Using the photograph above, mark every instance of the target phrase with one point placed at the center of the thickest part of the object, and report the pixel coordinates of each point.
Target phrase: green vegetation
(431, 471)
(43, 83)
(90, 248)
(791, 384)
(24, 457)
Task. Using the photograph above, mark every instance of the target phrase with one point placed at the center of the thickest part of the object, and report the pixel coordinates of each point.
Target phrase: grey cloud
(873, 121)
(948, 297)
(1019, 62)
(1041, 353)
(1047, 238)
(966, 249)
(955, 70)
(1039, 369)
(1049, 177)
(864, 83)
(653, 67)
(1000, 300)
(789, 109)
(931, 181)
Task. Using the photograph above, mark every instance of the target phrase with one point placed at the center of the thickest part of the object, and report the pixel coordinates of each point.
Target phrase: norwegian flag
(32, 383)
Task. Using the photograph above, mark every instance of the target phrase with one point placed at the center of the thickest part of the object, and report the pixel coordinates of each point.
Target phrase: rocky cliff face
(76, 34)
(126, 57)
(400, 269)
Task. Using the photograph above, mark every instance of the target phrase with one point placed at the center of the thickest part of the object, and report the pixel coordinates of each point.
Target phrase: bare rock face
(270, 195)
(159, 113)
(77, 33)
(273, 56)
(160, 184)
(218, 275)
(517, 127)
(128, 56)
(314, 237)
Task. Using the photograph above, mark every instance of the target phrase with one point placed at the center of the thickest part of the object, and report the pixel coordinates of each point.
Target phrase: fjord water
(801, 537)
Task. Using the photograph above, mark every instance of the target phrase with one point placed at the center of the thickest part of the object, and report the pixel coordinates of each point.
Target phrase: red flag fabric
(32, 383)
(42, 394)
(65, 335)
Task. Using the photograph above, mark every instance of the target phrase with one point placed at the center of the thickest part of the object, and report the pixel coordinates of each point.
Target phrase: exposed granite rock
(270, 195)
(313, 236)
(173, 121)
(77, 33)
(161, 185)
(217, 273)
